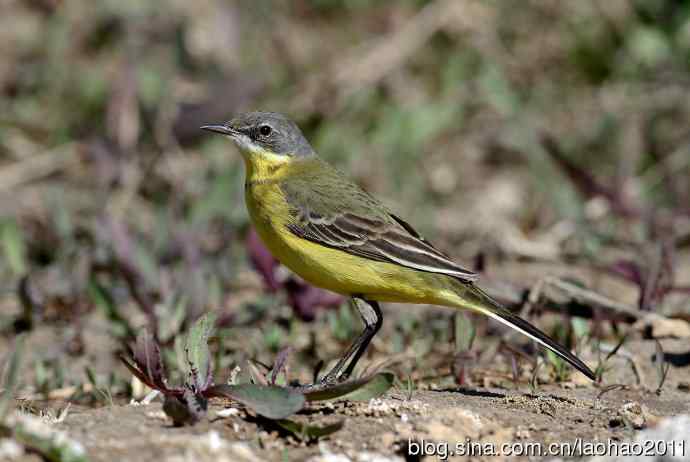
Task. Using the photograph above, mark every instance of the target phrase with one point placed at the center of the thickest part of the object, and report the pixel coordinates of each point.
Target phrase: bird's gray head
(265, 132)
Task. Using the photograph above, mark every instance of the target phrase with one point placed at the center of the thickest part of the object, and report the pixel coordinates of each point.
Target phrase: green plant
(187, 403)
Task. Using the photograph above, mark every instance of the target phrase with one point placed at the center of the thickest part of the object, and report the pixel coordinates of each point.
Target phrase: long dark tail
(477, 300)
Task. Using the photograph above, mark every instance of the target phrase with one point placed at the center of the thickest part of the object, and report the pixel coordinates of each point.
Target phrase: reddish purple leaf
(280, 363)
(129, 269)
(262, 260)
(147, 356)
(463, 363)
(175, 391)
(680, 289)
(628, 270)
(305, 299)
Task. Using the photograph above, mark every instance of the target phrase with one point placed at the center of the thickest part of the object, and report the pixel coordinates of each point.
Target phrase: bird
(335, 235)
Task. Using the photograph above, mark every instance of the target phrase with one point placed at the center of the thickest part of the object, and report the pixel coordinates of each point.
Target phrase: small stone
(387, 440)
(227, 412)
(158, 415)
(633, 413)
(10, 450)
(522, 434)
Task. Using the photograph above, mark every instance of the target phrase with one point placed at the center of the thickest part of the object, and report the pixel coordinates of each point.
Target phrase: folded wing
(391, 241)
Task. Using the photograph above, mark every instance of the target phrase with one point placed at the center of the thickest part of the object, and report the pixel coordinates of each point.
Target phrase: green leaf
(91, 375)
(649, 45)
(362, 389)
(50, 444)
(267, 401)
(581, 327)
(102, 394)
(172, 319)
(13, 246)
(342, 322)
(560, 366)
(307, 432)
(104, 302)
(11, 376)
(464, 333)
(497, 90)
(197, 352)
(375, 387)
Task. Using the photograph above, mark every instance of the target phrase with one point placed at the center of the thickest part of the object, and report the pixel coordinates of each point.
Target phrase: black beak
(222, 129)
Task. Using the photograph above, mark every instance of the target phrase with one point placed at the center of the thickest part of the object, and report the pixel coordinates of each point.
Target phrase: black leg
(372, 317)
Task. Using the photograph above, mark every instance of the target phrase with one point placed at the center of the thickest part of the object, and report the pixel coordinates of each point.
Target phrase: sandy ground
(397, 426)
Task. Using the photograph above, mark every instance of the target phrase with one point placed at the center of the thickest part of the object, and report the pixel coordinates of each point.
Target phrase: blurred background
(525, 138)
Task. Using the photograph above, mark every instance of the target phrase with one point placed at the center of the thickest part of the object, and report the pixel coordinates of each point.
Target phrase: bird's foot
(327, 381)
(333, 378)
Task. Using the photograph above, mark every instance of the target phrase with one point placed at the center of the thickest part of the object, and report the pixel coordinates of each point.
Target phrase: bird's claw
(332, 379)
(327, 381)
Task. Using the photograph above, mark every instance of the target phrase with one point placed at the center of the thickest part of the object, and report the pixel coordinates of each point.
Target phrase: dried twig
(575, 299)
(38, 166)
(369, 63)
(389, 53)
(583, 296)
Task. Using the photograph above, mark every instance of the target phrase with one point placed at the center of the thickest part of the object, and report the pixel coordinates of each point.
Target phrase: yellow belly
(334, 269)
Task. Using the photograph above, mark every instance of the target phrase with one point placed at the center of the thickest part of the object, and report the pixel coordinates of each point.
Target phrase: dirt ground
(383, 428)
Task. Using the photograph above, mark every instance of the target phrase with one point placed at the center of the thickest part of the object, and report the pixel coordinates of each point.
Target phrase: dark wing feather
(376, 240)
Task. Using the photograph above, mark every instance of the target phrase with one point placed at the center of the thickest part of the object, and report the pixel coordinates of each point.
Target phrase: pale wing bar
(377, 240)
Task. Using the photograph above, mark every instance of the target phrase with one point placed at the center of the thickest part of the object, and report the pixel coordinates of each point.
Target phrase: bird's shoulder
(322, 189)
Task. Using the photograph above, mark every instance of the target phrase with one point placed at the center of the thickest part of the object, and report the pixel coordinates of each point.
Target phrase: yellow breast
(322, 266)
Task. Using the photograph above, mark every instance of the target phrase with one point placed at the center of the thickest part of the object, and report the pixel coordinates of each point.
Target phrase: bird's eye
(265, 130)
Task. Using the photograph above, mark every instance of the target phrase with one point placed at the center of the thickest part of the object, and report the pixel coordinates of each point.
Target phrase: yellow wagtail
(335, 235)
